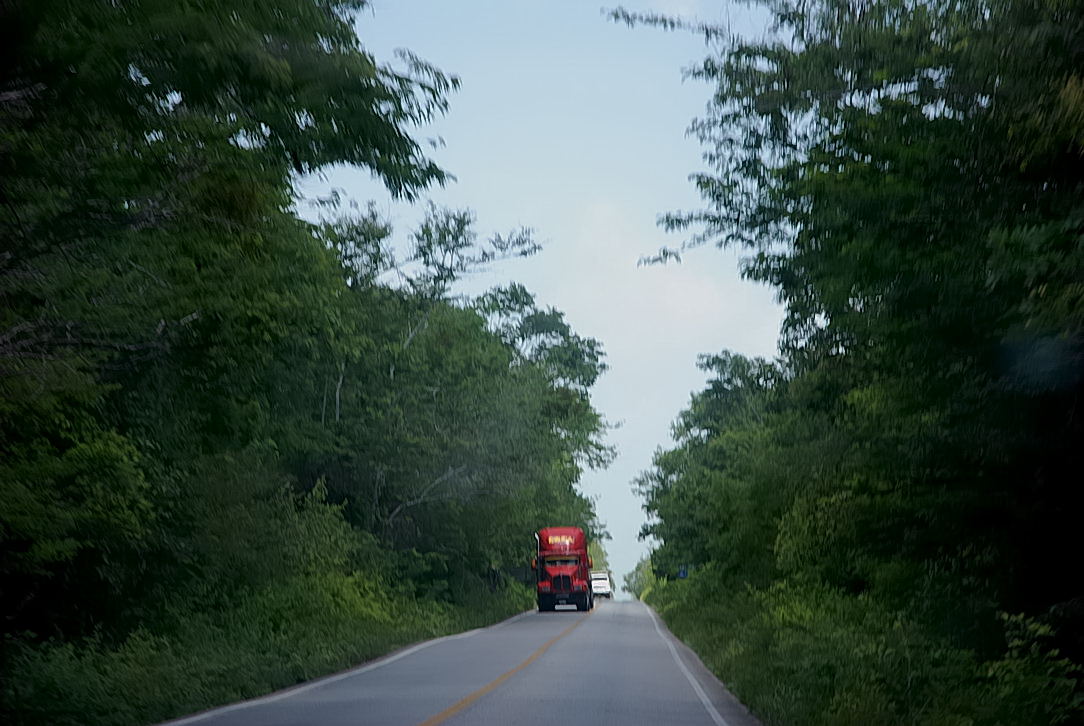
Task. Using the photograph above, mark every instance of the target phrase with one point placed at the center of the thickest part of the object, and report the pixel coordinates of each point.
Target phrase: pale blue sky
(575, 126)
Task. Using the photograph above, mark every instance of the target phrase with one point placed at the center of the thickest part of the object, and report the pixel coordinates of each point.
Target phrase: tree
(907, 176)
(236, 447)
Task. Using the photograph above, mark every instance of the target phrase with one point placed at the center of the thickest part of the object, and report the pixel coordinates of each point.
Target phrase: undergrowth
(268, 640)
(814, 656)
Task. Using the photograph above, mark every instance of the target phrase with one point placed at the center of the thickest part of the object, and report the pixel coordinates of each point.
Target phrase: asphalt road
(615, 665)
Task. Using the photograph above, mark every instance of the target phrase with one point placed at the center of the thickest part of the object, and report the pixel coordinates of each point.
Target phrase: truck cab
(563, 569)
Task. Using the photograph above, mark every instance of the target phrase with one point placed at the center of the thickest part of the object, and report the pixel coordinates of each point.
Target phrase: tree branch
(421, 498)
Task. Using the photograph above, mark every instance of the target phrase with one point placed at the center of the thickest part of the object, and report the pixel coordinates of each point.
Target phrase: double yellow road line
(489, 688)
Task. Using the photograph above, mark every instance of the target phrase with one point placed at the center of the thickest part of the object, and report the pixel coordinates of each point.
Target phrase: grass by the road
(810, 655)
(264, 642)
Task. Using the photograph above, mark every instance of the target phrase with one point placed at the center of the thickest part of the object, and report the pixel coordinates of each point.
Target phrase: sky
(574, 126)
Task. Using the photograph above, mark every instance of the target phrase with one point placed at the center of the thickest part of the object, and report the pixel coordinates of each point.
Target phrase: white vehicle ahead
(601, 584)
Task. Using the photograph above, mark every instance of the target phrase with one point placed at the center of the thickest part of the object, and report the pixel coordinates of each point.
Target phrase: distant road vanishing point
(617, 664)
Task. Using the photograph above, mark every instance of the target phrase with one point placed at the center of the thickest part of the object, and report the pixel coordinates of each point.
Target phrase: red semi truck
(563, 569)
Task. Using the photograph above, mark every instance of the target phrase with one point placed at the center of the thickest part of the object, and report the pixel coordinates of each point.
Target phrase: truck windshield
(562, 560)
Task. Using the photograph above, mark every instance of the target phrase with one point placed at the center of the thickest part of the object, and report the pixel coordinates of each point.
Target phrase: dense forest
(239, 449)
(883, 524)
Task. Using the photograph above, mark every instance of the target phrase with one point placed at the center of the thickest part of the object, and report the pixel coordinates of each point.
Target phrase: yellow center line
(459, 706)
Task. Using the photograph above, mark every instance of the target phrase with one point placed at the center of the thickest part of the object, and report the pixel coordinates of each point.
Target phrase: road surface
(615, 665)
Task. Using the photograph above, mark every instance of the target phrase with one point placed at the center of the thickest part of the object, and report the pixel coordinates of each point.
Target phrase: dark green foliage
(293, 631)
(812, 654)
(897, 498)
(233, 454)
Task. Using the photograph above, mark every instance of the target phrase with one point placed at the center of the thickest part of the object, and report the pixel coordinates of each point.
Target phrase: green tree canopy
(907, 176)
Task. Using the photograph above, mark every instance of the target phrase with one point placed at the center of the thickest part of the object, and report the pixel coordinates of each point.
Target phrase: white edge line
(293, 691)
(514, 618)
(719, 720)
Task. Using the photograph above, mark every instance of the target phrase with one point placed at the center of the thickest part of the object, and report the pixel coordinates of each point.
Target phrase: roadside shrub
(276, 637)
(809, 654)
